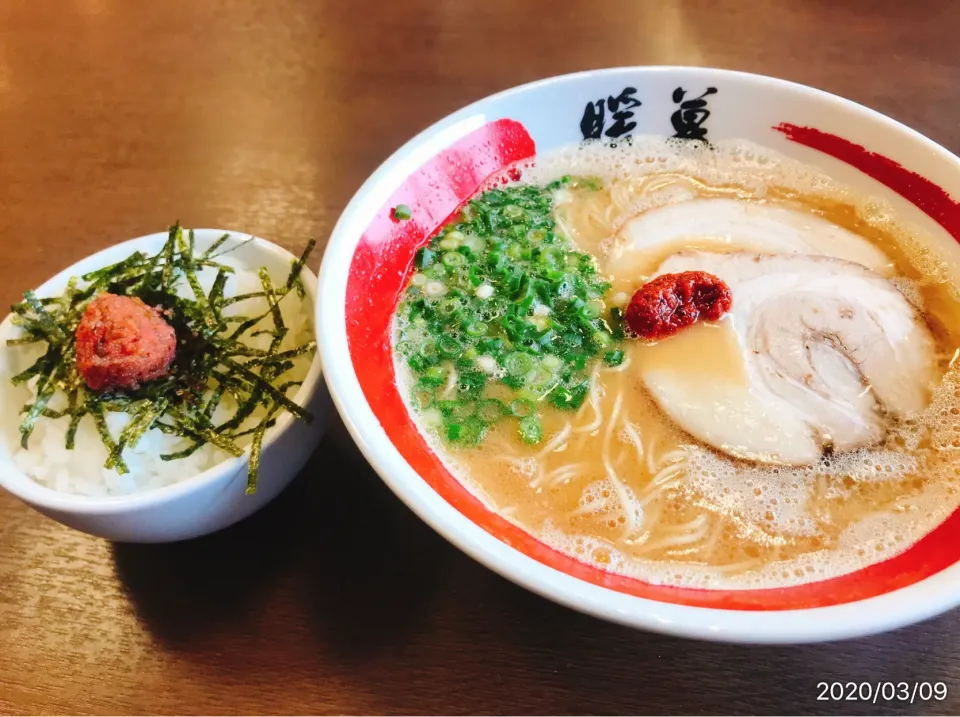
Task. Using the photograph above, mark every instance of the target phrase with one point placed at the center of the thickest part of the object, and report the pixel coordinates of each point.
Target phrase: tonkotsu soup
(805, 429)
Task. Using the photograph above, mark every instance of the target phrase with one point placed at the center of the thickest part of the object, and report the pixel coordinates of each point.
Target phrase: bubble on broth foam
(778, 497)
(614, 505)
(774, 497)
(891, 532)
(940, 422)
(910, 290)
(868, 465)
(583, 547)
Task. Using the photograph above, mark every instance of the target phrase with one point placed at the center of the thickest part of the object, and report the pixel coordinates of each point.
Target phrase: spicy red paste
(122, 342)
(671, 302)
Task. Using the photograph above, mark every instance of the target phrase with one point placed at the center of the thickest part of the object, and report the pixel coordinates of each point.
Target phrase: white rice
(81, 470)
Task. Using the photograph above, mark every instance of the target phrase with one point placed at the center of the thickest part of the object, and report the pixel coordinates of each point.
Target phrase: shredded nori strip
(212, 359)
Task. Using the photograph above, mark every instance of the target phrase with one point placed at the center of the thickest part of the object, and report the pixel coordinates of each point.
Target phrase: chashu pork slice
(818, 353)
(732, 225)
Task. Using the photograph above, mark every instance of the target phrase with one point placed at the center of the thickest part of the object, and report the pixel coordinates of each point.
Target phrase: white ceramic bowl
(202, 503)
(368, 258)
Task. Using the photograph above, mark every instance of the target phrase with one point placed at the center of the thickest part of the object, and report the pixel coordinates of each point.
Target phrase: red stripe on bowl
(931, 198)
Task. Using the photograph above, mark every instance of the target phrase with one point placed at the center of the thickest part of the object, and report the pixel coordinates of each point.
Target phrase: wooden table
(119, 116)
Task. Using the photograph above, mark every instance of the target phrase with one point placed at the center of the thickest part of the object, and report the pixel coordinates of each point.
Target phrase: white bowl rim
(27, 489)
(897, 608)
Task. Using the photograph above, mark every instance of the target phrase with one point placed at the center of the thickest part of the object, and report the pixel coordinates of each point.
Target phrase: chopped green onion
(425, 257)
(446, 407)
(570, 397)
(541, 380)
(484, 291)
(491, 410)
(617, 323)
(401, 212)
(434, 289)
(453, 258)
(472, 381)
(501, 288)
(449, 347)
(552, 362)
(432, 418)
(464, 410)
(592, 309)
(490, 347)
(530, 430)
(601, 340)
(513, 212)
(521, 407)
(475, 328)
(454, 431)
(473, 432)
(453, 238)
(449, 306)
(474, 243)
(468, 432)
(434, 376)
(518, 364)
(613, 358)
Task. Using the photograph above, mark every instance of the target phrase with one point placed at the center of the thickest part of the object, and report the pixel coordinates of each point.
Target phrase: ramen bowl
(369, 260)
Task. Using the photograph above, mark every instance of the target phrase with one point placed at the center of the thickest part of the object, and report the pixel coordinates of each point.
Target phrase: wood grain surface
(119, 116)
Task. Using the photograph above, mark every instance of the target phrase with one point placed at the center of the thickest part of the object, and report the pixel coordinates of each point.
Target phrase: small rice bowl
(81, 470)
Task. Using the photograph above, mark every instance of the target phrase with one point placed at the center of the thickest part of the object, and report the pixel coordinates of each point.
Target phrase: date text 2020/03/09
(874, 692)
